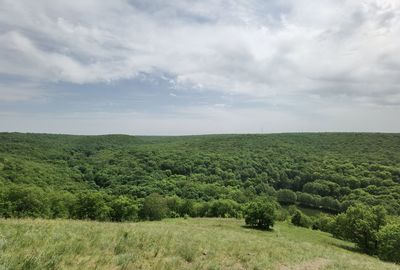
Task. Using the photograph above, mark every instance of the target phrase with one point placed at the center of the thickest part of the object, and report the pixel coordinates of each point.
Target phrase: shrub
(92, 205)
(223, 208)
(62, 204)
(282, 214)
(389, 243)
(123, 209)
(323, 223)
(21, 201)
(301, 220)
(201, 208)
(187, 208)
(292, 209)
(174, 206)
(154, 207)
(260, 213)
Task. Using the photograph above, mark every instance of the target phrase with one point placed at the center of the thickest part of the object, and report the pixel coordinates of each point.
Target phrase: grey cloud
(257, 48)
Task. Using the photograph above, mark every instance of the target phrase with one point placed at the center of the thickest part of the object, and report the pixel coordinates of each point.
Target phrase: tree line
(28, 201)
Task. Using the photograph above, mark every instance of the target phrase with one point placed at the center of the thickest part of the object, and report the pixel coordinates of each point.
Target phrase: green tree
(330, 204)
(360, 224)
(92, 205)
(123, 209)
(389, 243)
(286, 196)
(223, 208)
(260, 213)
(174, 204)
(23, 201)
(316, 188)
(187, 208)
(306, 199)
(154, 207)
(62, 204)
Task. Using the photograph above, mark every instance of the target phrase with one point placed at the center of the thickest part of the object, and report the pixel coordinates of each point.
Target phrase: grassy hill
(173, 244)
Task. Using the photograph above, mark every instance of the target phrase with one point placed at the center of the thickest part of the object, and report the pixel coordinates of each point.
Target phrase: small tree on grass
(389, 243)
(260, 214)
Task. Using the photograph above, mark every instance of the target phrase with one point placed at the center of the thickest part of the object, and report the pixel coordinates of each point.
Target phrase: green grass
(172, 244)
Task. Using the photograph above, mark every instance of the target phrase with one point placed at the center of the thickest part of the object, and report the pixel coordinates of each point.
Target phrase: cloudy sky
(195, 67)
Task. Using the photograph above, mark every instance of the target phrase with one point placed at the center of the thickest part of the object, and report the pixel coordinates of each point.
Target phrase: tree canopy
(260, 214)
(45, 175)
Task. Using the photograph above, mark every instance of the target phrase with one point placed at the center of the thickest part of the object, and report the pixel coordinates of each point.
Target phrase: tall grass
(172, 244)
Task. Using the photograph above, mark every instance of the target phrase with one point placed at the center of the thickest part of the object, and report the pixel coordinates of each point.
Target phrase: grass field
(172, 244)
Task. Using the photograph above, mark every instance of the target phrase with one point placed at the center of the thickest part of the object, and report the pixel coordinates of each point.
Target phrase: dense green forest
(206, 175)
(353, 177)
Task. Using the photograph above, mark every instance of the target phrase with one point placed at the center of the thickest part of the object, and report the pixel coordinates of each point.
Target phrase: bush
(292, 209)
(324, 223)
(123, 209)
(92, 205)
(21, 201)
(282, 214)
(260, 213)
(223, 208)
(187, 208)
(301, 220)
(201, 208)
(154, 207)
(62, 204)
(174, 206)
(389, 243)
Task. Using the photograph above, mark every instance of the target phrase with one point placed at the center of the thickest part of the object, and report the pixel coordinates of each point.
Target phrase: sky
(181, 67)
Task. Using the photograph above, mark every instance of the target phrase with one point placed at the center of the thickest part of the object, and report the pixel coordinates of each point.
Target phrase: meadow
(193, 243)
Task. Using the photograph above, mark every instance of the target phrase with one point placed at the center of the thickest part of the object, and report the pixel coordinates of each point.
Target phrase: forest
(325, 171)
(130, 178)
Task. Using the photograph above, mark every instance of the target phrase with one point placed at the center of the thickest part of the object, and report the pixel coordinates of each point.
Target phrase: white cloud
(254, 48)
